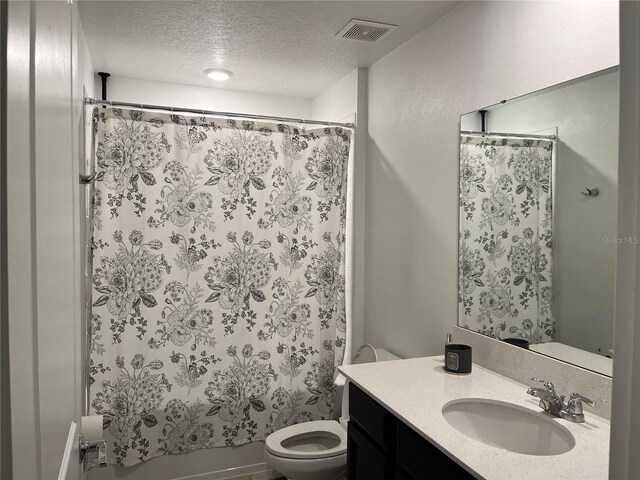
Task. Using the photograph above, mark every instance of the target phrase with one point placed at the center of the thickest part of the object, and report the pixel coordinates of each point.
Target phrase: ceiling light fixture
(218, 74)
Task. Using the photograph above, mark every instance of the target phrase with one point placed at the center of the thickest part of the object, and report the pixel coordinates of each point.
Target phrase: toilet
(318, 450)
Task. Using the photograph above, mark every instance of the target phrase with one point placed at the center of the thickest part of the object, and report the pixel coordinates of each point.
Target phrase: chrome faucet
(549, 399)
(553, 403)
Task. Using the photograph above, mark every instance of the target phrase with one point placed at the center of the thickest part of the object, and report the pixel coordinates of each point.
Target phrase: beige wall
(477, 55)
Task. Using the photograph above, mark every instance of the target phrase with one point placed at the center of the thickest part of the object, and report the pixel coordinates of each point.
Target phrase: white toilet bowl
(309, 451)
(318, 450)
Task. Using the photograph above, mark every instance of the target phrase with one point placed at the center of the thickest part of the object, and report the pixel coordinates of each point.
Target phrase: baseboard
(230, 473)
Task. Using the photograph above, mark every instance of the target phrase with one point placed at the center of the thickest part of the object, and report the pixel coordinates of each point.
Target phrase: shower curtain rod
(515, 135)
(93, 101)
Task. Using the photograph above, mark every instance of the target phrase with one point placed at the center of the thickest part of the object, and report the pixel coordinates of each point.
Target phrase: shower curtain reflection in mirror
(218, 311)
(506, 237)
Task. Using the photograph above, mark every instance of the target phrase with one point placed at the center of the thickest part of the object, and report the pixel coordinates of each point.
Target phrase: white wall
(44, 133)
(84, 80)
(346, 101)
(338, 101)
(624, 460)
(585, 115)
(24, 441)
(477, 55)
(85, 71)
(171, 94)
(5, 399)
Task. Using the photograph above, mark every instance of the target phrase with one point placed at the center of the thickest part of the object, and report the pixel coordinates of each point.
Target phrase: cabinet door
(372, 418)
(364, 460)
(401, 475)
(422, 460)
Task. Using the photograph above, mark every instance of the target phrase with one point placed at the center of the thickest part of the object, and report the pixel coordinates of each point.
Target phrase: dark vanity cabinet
(381, 447)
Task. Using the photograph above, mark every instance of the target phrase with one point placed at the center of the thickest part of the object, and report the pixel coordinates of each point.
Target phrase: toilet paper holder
(99, 446)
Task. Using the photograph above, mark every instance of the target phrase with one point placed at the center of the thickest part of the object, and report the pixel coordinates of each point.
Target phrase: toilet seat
(309, 440)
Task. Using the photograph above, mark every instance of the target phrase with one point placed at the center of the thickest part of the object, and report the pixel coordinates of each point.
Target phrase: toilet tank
(366, 353)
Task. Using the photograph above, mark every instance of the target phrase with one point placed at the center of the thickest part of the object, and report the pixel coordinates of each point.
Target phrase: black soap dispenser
(457, 357)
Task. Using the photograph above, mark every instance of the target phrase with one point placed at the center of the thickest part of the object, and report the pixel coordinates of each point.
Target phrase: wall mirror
(538, 220)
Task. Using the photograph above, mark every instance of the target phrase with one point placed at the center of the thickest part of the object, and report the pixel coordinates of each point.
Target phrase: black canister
(518, 342)
(457, 358)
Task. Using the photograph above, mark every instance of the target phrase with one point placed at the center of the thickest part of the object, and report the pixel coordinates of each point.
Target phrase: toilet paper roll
(91, 427)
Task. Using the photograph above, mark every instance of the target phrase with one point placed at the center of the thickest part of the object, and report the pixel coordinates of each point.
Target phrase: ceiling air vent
(365, 30)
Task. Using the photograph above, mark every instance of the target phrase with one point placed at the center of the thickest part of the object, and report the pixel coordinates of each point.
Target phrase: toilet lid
(317, 439)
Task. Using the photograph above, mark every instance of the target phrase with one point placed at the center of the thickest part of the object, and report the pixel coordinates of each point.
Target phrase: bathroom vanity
(381, 446)
(397, 429)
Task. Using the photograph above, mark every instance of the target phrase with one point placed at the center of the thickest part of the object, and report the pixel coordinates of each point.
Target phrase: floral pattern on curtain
(218, 311)
(505, 253)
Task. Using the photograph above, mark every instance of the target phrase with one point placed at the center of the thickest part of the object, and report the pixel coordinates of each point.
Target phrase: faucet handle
(573, 411)
(545, 383)
(574, 405)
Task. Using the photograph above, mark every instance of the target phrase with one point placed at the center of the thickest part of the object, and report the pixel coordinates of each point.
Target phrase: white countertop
(415, 390)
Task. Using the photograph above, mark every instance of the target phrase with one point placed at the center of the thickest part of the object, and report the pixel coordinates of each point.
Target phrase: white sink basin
(508, 426)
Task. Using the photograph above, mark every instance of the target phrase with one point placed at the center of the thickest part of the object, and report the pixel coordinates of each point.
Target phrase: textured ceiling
(280, 47)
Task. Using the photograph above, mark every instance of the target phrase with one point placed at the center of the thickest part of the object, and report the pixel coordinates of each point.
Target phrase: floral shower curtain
(218, 279)
(505, 253)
